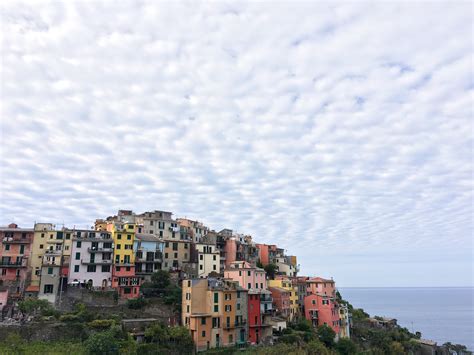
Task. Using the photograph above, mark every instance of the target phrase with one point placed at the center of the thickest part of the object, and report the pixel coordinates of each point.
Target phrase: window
(41, 246)
(78, 244)
(249, 285)
(238, 294)
(48, 289)
(129, 237)
(175, 246)
(7, 247)
(203, 321)
(117, 268)
(214, 267)
(185, 245)
(127, 268)
(214, 258)
(216, 297)
(167, 244)
(240, 273)
(119, 236)
(68, 236)
(91, 268)
(228, 308)
(176, 255)
(201, 257)
(238, 306)
(248, 273)
(151, 231)
(200, 267)
(203, 333)
(166, 255)
(76, 268)
(42, 235)
(216, 308)
(261, 285)
(119, 246)
(50, 271)
(161, 233)
(78, 256)
(105, 268)
(151, 223)
(216, 322)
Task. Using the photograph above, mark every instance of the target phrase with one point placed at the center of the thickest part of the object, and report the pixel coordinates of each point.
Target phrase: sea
(440, 314)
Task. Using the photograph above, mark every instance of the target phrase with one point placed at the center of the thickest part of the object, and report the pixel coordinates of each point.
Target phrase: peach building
(212, 311)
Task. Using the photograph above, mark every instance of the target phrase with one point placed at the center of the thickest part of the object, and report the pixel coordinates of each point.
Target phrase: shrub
(101, 324)
(315, 347)
(346, 347)
(102, 343)
(326, 335)
(137, 303)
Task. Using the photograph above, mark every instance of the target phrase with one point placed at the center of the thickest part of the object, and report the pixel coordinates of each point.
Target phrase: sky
(342, 132)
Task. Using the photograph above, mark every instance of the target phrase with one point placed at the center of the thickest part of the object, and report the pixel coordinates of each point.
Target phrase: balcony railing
(100, 250)
(15, 240)
(5, 263)
(96, 262)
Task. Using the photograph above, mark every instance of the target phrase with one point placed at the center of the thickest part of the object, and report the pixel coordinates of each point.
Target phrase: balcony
(96, 262)
(15, 240)
(242, 323)
(228, 326)
(100, 250)
(54, 241)
(13, 264)
(266, 299)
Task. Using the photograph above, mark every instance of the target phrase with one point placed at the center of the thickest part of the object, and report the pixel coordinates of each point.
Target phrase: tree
(315, 347)
(33, 307)
(271, 270)
(160, 279)
(303, 325)
(346, 346)
(326, 335)
(102, 343)
(259, 264)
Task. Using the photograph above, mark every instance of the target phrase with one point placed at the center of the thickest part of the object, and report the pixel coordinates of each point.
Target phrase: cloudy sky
(341, 132)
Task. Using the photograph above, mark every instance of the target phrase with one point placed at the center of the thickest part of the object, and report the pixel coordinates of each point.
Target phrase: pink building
(320, 303)
(3, 298)
(322, 309)
(14, 253)
(249, 277)
(318, 285)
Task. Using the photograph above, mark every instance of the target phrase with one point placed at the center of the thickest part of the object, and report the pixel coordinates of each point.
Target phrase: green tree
(259, 264)
(326, 335)
(315, 347)
(34, 307)
(160, 279)
(271, 270)
(303, 325)
(102, 343)
(346, 346)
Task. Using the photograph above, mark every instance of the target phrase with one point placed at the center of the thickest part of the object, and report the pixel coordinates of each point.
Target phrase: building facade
(15, 250)
(91, 259)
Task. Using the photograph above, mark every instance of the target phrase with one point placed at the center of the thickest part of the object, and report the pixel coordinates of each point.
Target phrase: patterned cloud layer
(341, 132)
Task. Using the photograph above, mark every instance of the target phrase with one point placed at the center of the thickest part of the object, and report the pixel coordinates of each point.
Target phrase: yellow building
(288, 285)
(124, 279)
(48, 238)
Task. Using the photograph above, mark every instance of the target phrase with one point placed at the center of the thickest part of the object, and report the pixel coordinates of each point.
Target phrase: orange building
(212, 311)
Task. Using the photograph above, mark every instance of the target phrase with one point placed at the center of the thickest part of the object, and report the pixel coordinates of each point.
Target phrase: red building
(14, 253)
(125, 281)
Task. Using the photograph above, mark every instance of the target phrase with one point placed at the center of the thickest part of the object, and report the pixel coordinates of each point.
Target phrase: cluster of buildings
(228, 298)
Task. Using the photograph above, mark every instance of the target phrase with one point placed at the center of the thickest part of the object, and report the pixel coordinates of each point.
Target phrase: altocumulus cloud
(342, 132)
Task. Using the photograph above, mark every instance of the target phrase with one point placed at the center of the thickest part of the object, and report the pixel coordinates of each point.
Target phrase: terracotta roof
(32, 288)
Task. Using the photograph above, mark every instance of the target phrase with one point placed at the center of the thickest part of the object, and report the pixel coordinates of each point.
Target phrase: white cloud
(334, 130)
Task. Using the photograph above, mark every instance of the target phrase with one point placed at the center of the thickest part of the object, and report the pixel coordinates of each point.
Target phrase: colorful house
(148, 250)
(213, 311)
(124, 279)
(287, 284)
(260, 308)
(14, 256)
(320, 303)
(281, 301)
(91, 260)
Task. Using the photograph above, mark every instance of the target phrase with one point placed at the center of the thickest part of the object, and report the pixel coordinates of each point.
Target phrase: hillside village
(235, 291)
